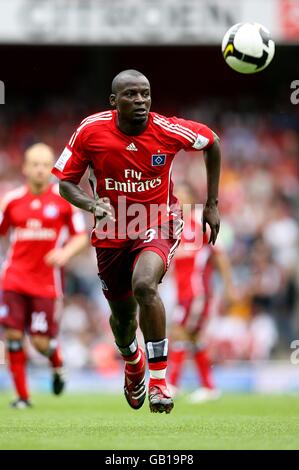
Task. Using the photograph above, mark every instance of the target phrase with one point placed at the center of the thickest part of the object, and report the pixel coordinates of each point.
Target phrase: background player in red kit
(129, 152)
(194, 265)
(39, 222)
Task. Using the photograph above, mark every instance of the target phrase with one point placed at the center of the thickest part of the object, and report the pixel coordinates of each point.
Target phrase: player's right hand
(211, 217)
(102, 208)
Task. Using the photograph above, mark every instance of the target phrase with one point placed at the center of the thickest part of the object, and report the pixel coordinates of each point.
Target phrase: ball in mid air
(248, 47)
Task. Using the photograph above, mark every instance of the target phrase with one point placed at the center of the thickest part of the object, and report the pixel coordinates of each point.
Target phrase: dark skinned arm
(210, 213)
(75, 195)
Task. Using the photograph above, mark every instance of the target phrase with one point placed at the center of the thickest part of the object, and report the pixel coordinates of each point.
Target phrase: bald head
(124, 77)
(39, 151)
(38, 162)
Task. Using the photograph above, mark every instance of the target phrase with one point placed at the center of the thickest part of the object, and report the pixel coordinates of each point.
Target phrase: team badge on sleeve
(158, 160)
(201, 142)
(62, 160)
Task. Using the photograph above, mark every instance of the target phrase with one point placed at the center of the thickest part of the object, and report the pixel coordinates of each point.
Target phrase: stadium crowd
(259, 207)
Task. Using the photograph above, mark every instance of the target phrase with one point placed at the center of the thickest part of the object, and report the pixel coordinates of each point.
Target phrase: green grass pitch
(106, 422)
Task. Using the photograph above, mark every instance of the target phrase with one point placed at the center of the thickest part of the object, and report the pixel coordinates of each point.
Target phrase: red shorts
(36, 315)
(190, 315)
(116, 265)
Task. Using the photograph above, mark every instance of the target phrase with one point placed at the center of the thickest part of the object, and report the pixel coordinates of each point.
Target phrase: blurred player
(38, 221)
(194, 265)
(129, 152)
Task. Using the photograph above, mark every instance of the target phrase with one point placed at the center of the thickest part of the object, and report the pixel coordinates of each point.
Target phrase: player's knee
(13, 335)
(41, 343)
(144, 290)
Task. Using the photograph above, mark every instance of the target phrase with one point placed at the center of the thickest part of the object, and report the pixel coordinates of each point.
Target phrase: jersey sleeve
(190, 135)
(75, 221)
(5, 222)
(72, 163)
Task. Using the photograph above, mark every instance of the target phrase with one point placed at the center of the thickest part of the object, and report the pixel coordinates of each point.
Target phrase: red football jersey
(37, 224)
(130, 170)
(193, 266)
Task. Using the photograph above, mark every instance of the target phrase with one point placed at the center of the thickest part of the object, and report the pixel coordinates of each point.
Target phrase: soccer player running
(45, 232)
(193, 268)
(130, 151)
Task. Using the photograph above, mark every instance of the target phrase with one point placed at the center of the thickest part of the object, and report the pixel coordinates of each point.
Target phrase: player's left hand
(211, 217)
(56, 257)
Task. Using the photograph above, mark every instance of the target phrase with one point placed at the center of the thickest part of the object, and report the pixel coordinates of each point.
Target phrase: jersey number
(39, 322)
(150, 233)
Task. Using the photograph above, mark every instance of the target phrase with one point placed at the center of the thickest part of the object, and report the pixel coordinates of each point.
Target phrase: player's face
(37, 168)
(133, 100)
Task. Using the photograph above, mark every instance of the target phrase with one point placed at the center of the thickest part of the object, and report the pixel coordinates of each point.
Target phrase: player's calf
(17, 367)
(49, 348)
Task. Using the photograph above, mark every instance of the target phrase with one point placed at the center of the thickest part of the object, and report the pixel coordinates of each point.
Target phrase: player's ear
(112, 100)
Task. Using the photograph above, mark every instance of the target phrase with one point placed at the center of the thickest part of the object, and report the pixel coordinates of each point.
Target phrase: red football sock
(56, 359)
(203, 365)
(17, 367)
(176, 360)
(134, 361)
(157, 373)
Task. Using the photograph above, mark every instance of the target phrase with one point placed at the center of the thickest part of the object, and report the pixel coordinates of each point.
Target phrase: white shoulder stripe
(12, 195)
(166, 121)
(184, 129)
(99, 118)
(71, 139)
(103, 113)
(174, 131)
(179, 128)
(90, 121)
